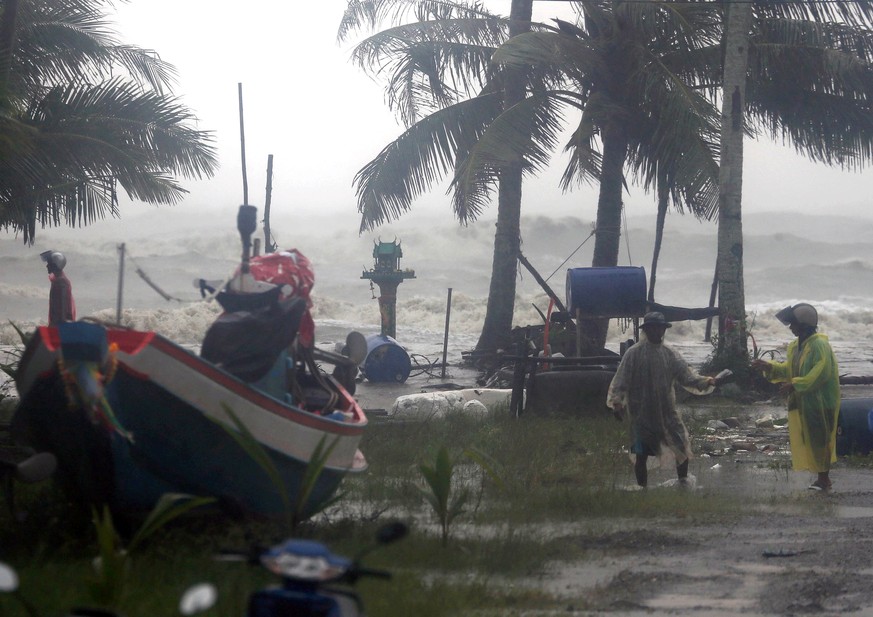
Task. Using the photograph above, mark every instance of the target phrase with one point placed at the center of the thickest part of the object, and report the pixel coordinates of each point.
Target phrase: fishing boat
(130, 415)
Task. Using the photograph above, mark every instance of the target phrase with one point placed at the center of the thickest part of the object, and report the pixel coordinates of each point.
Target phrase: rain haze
(323, 119)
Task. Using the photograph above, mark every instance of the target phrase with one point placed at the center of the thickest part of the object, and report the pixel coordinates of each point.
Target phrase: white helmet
(54, 257)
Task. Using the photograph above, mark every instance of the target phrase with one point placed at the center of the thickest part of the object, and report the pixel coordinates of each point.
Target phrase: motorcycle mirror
(392, 532)
(198, 598)
(8, 578)
(37, 468)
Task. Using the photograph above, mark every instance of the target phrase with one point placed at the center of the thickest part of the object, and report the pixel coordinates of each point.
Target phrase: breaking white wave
(823, 260)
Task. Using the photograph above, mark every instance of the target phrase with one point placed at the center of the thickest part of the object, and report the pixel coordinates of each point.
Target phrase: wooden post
(516, 399)
(446, 337)
(712, 295)
(543, 284)
(268, 240)
(120, 283)
(242, 144)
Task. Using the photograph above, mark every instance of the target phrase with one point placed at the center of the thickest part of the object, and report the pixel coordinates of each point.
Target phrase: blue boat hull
(176, 438)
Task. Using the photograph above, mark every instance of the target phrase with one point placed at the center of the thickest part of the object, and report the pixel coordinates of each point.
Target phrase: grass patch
(550, 486)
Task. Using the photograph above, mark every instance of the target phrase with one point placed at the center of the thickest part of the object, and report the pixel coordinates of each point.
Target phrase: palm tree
(434, 64)
(82, 113)
(480, 139)
(646, 76)
(630, 69)
(732, 300)
(802, 72)
(808, 81)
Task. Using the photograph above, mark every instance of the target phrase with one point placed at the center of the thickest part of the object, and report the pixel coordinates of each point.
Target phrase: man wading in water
(644, 386)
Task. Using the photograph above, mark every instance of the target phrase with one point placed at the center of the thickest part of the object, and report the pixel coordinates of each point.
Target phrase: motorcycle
(315, 581)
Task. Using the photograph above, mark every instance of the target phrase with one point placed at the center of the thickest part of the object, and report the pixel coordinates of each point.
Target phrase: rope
(593, 231)
(169, 297)
(149, 281)
(626, 237)
(426, 366)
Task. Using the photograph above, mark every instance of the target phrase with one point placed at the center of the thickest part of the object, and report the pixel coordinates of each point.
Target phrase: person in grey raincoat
(644, 389)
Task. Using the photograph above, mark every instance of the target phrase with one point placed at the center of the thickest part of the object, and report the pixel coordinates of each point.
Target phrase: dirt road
(791, 551)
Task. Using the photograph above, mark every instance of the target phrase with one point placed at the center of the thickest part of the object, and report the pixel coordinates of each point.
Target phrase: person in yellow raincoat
(811, 381)
(644, 385)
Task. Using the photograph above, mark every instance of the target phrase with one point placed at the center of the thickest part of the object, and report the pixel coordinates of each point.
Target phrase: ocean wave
(24, 291)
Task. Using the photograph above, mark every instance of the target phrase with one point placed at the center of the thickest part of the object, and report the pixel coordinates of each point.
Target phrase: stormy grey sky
(323, 119)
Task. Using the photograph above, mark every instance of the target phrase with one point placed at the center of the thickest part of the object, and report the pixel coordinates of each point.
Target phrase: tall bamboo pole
(268, 240)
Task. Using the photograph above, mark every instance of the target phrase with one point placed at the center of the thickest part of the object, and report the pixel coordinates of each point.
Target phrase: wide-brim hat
(656, 318)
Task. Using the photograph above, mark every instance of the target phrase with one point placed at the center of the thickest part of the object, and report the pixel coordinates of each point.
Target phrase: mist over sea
(824, 260)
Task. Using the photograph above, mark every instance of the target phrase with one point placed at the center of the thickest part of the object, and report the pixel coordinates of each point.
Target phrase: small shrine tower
(386, 273)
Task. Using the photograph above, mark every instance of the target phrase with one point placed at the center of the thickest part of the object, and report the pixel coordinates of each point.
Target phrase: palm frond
(429, 65)
(811, 85)
(525, 133)
(422, 155)
(574, 56)
(82, 140)
(585, 161)
(854, 13)
(60, 41)
(368, 15)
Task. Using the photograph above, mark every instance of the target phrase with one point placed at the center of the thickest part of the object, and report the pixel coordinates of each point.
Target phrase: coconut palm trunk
(497, 327)
(663, 202)
(608, 226)
(731, 294)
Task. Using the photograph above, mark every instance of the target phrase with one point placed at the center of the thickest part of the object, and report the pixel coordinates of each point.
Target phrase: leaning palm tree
(629, 69)
(440, 80)
(489, 140)
(82, 113)
(808, 81)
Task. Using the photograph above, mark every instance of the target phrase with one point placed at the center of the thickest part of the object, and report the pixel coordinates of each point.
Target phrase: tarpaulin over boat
(247, 343)
(292, 271)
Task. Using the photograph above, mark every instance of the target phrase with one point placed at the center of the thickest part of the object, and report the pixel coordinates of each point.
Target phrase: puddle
(759, 569)
(853, 511)
(679, 601)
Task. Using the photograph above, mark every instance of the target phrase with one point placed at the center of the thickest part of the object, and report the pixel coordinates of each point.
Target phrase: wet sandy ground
(801, 553)
(791, 551)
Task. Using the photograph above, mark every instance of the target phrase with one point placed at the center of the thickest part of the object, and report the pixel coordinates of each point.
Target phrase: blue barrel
(855, 426)
(386, 360)
(619, 291)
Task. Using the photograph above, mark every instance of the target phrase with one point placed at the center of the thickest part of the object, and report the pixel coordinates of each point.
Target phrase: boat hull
(174, 414)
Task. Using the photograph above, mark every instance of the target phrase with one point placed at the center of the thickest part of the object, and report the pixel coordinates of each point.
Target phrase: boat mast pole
(120, 283)
(242, 143)
(246, 217)
(269, 247)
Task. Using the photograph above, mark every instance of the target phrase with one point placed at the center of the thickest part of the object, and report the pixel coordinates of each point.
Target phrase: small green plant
(297, 510)
(446, 503)
(106, 587)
